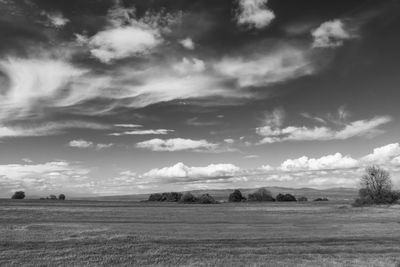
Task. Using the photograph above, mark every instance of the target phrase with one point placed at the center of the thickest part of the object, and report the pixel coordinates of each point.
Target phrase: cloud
(229, 141)
(176, 144)
(330, 34)
(360, 128)
(55, 19)
(143, 132)
(266, 69)
(383, 154)
(80, 143)
(254, 13)
(187, 43)
(124, 37)
(335, 161)
(31, 81)
(46, 129)
(180, 170)
(188, 66)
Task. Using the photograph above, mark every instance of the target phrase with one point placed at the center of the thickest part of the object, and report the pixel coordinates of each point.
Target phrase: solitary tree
(236, 196)
(61, 197)
(18, 195)
(375, 183)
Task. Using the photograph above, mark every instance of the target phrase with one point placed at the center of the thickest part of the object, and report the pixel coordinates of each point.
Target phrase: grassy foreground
(94, 233)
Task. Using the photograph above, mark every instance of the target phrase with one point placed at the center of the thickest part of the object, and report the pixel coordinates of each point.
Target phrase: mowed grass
(105, 233)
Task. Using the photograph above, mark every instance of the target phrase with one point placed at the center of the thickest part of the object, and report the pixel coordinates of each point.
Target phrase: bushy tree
(61, 197)
(261, 194)
(321, 199)
(286, 197)
(188, 198)
(171, 196)
(236, 196)
(302, 199)
(206, 199)
(155, 197)
(18, 195)
(53, 197)
(376, 187)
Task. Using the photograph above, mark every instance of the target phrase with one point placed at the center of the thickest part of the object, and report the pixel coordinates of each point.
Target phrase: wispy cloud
(273, 131)
(177, 144)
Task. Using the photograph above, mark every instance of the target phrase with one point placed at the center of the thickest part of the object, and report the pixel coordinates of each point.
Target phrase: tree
(52, 197)
(188, 198)
(286, 197)
(261, 194)
(376, 188)
(61, 197)
(236, 196)
(206, 199)
(18, 195)
(375, 184)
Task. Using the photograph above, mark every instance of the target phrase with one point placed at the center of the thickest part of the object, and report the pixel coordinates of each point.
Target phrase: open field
(40, 232)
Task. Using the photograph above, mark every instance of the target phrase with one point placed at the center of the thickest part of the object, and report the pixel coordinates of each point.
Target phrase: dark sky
(115, 97)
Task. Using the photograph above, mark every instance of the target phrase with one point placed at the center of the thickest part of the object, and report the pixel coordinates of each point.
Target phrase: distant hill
(338, 193)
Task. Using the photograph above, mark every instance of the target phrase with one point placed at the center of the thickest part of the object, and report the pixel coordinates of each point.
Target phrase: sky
(101, 97)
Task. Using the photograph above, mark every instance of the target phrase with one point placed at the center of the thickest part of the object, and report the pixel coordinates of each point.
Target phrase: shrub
(261, 194)
(236, 196)
(206, 199)
(18, 195)
(286, 197)
(188, 198)
(302, 199)
(61, 197)
(321, 199)
(155, 197)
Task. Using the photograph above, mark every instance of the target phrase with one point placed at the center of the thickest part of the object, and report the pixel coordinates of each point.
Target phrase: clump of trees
(321, 199)
(236, 196)
(18, 195)
(285, 197)
(166, 197)
(376, 188)
(182, 198)
(261, 194)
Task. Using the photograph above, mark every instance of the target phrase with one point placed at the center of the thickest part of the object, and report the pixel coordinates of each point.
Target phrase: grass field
(40, 232)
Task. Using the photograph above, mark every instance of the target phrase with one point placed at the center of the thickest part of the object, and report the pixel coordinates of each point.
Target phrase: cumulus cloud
(187, 43)
(180, 171)
(80, 143)
(266, 69)
(335, 161)
(55, 19)
(124, 37)
(383, 154)
(360, 128)
(176, 144)
(254, 14)
(330, 34)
